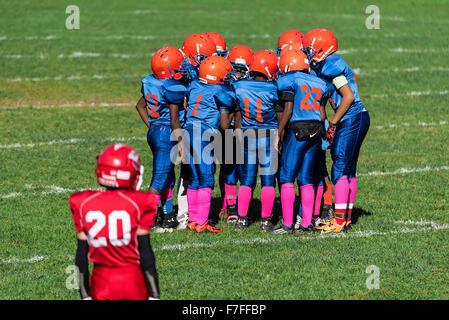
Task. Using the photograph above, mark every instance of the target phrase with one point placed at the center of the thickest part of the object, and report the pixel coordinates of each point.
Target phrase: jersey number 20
(100, 222)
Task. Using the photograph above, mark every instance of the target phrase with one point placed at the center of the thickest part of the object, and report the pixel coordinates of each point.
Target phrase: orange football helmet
(219, 41)
(197, 47)
(319, 43)
(215, 70)
(240, 58)
(290, 38)
(265, 62)
(166, 62)
(293, 60)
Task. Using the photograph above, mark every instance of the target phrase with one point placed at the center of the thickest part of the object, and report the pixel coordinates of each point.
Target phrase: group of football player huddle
(204, 87)
(196, 94)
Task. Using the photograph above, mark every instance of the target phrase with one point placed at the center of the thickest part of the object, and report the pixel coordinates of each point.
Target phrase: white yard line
(418, 226)
(70, 141)
(46, 190)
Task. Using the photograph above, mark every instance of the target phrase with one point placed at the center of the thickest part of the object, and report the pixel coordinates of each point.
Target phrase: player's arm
(142, 110)
(225, 118)
(341, 84)
(287, 98)
(148, 263)
(82, 263)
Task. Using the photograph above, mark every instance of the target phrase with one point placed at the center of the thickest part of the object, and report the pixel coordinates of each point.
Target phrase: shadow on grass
(357, 213)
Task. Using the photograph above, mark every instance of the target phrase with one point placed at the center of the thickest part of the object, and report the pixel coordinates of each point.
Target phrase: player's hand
(330, 134)
(277, 141)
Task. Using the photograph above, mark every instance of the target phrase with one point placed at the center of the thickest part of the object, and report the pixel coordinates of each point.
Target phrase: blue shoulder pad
(285, 83)
(226, 96)
(333, 66)
(175, 91)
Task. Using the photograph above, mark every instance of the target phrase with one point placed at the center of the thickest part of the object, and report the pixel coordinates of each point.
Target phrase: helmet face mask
(240, 57)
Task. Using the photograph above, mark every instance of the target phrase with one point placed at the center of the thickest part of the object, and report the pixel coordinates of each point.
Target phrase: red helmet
(118, 166)
(220, 43)
(265, 62)
(290, 38)
(319, 43)
(166, 61)
(293, 60)
(215, 70)
(198, 46)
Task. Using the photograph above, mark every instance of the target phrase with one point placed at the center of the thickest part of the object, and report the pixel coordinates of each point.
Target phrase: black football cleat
(309, 229)
(283, 229)
(266, 225)
(242, 223)
(169, 221)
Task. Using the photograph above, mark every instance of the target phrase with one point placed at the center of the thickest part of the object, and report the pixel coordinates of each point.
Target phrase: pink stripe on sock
(267, 195)
(287, 202)
(307, 200)
(192, 203)
(244, 199)
(318, 197)
(204, 196)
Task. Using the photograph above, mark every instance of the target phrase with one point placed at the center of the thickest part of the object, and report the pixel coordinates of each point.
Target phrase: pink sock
(158, 199)
(244, 199)
(230, 195)
(318, 197)
(192, 203)
(166, 194)
(204, 196)
(287, 202)
(341, 193)
(307, 199)
(352, 192)
(267, 195)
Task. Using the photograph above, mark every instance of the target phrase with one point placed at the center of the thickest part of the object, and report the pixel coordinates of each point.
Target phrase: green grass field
(66, 94)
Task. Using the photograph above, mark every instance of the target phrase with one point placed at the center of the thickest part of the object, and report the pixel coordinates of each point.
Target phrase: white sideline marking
(402, 171)
(74, 77)
(58, 190)
(30, 260)
(69, 141)
(410, 94)
(139, 138)
(423, 226)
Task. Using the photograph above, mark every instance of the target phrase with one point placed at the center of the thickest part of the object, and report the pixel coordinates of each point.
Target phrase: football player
(160, 90)
(291, 39)
(209, 102)
(348, 126)
(113, 231)
(220, 43)
(255, 115)
(305, 96)
(240, 57)
(196, 47)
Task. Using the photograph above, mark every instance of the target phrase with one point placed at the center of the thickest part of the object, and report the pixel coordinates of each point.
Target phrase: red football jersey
(110, 219)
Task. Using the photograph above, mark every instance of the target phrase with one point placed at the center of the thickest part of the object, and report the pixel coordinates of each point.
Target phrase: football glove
(330, 134)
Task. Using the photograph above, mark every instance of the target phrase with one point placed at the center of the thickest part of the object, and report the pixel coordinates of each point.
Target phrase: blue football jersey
(309, 92)
(159, 94)
(256, 101)
(206, 101)
(334, 66)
